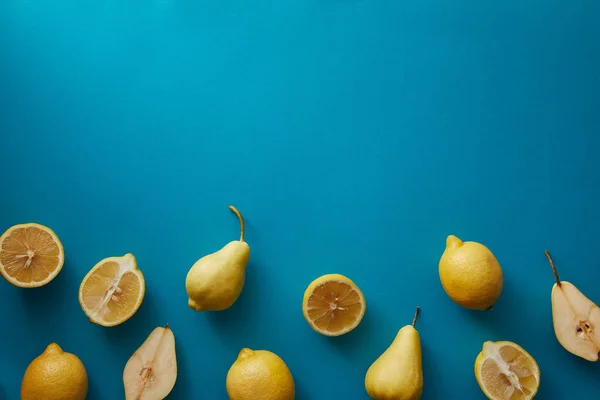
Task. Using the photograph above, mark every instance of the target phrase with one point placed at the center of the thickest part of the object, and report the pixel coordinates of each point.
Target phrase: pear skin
(216, 280)
(151, 372)
(398, 373)
(576, 319)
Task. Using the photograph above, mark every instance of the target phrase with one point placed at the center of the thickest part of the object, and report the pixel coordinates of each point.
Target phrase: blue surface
(354, 136)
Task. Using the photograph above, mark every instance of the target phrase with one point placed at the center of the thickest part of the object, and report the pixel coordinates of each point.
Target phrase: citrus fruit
(55, 375)
(505, 371)
(333, 305)
(470, 274)
(259, 375)
(31, 255)
(112, 291)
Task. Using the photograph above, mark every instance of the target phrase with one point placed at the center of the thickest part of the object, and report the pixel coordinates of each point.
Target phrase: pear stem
(242, 228)
(416, 315)
(558, 282)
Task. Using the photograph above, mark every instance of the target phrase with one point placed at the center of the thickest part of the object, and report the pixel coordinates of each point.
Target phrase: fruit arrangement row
(31, 255)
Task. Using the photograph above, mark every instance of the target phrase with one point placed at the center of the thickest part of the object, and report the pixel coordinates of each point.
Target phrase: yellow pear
(576, 319)
(470, 274)
(215, 281)
(398, 373)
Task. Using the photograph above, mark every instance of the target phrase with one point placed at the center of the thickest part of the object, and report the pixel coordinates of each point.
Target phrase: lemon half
(505, 371)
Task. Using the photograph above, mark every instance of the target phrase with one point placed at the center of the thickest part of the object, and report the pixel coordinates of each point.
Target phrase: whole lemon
(55, 375)
(470, 274)
(259, 375)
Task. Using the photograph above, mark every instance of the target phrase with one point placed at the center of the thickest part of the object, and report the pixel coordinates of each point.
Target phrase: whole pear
(216, 280)
(398, 373)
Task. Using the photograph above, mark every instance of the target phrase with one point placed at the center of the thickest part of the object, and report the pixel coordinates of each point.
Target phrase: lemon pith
(505, 371)
(112, 291)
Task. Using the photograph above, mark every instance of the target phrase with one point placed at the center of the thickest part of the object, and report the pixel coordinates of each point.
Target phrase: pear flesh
(576, 319)
(216, 280)
(398, 373)
(151, 372)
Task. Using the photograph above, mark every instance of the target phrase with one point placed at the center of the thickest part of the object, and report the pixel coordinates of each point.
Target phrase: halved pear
(151, 372)
(576, 319)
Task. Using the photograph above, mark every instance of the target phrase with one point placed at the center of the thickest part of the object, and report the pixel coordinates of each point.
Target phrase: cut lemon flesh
(333, 305)
(505, 371)
(31, 255)
(112, 291)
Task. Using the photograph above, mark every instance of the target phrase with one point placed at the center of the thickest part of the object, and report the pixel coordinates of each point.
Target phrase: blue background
(353, 135)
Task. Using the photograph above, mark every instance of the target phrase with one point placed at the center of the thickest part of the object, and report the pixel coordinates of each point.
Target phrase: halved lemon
(31, 255)
(505, 371)
(112, 291)
(333, 305)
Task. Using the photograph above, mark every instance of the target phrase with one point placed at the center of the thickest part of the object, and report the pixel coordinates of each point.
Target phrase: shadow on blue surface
(348, 343)
(131, 333)
(240, 317)
(93, 392)
(182, 386)
(55, 290)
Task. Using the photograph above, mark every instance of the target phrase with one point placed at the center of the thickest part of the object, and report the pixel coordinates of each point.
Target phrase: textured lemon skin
(55, 375)
(470, 274)
(259, 375)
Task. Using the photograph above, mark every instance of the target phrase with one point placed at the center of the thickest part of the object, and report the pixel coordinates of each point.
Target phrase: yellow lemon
(470, 274)
(31, 255)
(259, 375)
(112, 291)
(505, 371)
(55, 375)
(333, 305)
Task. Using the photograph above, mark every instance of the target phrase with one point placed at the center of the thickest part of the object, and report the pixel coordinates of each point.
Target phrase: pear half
(398, 373)
(151, 372)
(576, 319)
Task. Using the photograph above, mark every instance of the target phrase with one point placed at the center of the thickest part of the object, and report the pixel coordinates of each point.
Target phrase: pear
(215, 281)
(398, 373)
(576, 319)
(151, 372)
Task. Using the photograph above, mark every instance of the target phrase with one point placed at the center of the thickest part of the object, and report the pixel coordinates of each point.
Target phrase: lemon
(31, 255)
(259, 375)
(470, 274)
(112, 291)
(505, 371)
(55, 375)
(333, 305)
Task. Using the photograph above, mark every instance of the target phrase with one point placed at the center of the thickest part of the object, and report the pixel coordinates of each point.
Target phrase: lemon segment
(112, 291)
(31, 255)
(505, 371)
(333, 305)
